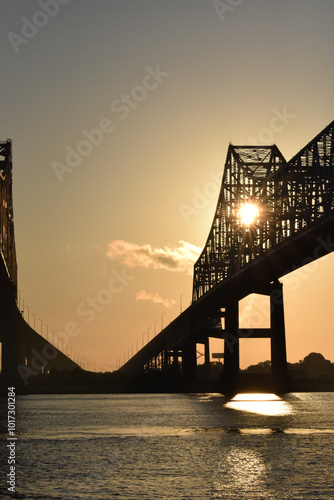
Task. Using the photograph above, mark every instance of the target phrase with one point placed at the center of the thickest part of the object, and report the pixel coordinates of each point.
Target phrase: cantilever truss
(7, 241)
(290, 197)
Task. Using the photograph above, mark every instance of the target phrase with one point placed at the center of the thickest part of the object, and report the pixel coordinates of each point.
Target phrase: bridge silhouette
(273, 216)
(24, 353)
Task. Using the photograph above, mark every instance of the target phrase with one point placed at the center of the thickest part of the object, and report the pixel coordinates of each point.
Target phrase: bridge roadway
(306, 246)
(25, 353)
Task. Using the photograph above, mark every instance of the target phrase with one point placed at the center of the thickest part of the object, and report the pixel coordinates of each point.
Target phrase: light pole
(155, 329)
(181, 302)
(28, 314)
(41, 327)
(34, 319)
(23, 306)
(162, 321)
(148, 334)
(142, 339)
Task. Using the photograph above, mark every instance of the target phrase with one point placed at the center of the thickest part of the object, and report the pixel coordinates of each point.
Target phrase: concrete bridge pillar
(175, 358)
(279, 368)
(174, 354)
(206, 354)
(231, 345)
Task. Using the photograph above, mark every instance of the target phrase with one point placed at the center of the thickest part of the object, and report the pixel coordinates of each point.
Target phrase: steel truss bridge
(292, 224)
(23, 351)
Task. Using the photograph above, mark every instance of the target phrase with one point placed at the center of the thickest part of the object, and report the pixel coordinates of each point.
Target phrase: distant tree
(262, 367)
(315, 365)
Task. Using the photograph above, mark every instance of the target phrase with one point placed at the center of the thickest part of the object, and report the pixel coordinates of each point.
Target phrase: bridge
(273, 216)
(24, 353)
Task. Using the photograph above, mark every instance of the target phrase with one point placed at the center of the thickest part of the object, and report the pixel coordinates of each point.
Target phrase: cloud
(154, 297)
(180, 258)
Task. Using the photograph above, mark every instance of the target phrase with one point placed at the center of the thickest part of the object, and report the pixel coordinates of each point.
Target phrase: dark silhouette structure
(289, 222)
(24, 352)
(272, 217)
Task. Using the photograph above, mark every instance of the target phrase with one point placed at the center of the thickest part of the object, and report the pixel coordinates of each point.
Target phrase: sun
(248, 213)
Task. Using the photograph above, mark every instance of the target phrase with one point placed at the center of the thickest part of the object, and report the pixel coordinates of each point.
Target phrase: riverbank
(81, 382)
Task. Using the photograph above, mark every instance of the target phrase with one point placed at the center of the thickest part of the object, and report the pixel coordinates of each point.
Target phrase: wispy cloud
(154, 297)
(180, 258)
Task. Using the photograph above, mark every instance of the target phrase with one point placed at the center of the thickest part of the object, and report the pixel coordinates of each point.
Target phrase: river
(172, 446)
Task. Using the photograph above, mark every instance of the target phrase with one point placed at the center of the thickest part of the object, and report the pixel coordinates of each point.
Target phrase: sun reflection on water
(262, 404)
(242, 470)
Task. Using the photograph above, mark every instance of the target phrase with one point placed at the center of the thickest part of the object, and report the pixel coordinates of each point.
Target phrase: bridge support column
(279, 368)
(231, 347)
(189, 361)
(207, 354)
(175, 358)
(164, 360)
(175, 362)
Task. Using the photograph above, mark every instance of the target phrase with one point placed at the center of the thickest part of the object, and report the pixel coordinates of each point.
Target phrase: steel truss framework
(290, 196)
(7, 240)
(295, 211)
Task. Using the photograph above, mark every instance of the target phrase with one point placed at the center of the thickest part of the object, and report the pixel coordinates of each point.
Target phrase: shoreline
(129, 387)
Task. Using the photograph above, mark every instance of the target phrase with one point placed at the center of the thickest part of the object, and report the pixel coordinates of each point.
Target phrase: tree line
(314, 365)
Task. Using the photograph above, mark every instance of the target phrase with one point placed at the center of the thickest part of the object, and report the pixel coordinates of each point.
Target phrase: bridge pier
(175, 359)
(279, 368)
(231, 346)
(276, 333)
(206, 354)
(174, 362)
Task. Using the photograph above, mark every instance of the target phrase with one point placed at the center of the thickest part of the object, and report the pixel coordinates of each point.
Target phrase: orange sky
(121, 113)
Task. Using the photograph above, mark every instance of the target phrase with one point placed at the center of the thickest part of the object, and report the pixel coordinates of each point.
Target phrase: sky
(121, 113)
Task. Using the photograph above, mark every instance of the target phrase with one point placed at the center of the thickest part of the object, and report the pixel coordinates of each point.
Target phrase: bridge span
(273, 216)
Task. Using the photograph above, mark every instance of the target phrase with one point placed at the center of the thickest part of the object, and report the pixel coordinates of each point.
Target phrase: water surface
(174, 446)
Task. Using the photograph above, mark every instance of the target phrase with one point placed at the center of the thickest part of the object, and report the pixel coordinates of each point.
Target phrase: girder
(290, 196)
(7, 240)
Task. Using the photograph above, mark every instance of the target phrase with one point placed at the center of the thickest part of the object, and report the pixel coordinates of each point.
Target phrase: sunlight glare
(256, 397)
(262, 404)
(248, 213)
